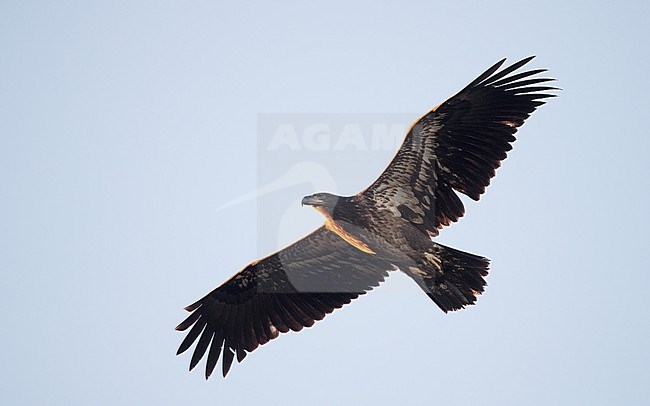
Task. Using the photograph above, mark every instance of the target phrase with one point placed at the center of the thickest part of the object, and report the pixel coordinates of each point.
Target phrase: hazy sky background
(125, 125)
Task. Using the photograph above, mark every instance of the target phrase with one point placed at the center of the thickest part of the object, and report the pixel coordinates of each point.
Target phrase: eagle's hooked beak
(312, 201)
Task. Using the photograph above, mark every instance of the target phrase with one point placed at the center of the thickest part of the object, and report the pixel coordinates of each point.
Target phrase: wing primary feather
(517, 77)
(213, 354)
(508, 70)
(194, 306)
(232, 333)
(525, 82)
(229, 323)
(531, 89)
(228, 356)
(241, 354)
(485, 74)
(188, 321)
(201, 346)
(191, 336)
(239, 340)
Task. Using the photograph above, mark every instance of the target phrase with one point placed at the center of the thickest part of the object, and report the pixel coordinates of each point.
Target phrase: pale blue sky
(125, 125)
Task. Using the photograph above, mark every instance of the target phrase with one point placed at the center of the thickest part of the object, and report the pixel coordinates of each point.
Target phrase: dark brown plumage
(456, 147)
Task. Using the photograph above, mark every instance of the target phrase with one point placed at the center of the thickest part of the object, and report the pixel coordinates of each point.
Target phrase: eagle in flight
(456, 147)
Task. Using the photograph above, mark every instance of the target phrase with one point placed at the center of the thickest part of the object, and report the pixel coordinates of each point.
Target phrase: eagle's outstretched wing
(457, 146)
(288, 290)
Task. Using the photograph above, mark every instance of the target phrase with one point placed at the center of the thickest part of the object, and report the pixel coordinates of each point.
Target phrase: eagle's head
(323, 202)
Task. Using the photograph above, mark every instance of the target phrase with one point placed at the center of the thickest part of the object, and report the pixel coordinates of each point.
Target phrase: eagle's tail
(451, 278)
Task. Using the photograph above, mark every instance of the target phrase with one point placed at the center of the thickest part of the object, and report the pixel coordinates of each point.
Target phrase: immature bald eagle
(455, 147)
